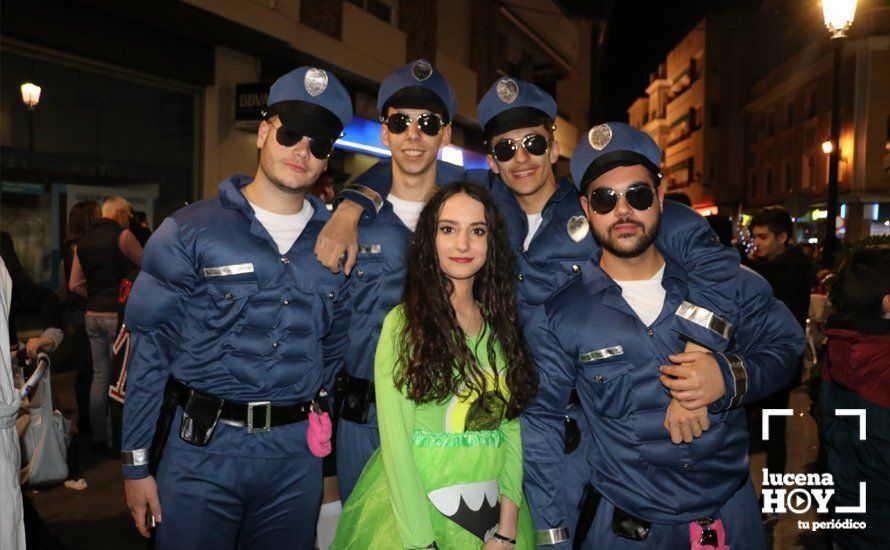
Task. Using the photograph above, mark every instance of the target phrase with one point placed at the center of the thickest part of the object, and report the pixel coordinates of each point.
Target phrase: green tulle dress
(441, 469)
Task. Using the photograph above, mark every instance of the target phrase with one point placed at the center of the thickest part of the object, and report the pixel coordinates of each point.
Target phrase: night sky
(640, 35)
(639, 38)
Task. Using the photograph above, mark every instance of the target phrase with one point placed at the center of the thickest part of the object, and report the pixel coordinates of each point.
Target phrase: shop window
(806, 177)
(811, 103)
(385, 11)
(769, 183)
(788, 185)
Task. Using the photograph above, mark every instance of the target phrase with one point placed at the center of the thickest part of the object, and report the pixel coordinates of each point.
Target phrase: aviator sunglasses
(534, 144)
(320, 148)
(603, 200)
(428, 123)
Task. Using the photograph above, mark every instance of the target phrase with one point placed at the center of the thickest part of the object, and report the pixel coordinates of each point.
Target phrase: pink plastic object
(319, 433)
(695, 536)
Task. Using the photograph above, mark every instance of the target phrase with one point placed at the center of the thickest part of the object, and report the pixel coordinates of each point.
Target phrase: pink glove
(698, 538)
(318, 435)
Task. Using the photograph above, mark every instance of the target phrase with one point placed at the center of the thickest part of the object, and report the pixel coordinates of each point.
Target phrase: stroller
(46, 437)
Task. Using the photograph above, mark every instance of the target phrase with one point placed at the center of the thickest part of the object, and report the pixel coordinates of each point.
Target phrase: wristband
(503, 540)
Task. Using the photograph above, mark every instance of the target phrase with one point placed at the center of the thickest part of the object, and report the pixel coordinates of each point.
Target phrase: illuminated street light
(30, 95)
(838, 16)
(827, 147)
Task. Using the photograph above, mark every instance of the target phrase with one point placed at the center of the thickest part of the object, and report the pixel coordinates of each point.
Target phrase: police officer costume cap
(312, 102)
(417, 85)
(511, 103)
(607, 146)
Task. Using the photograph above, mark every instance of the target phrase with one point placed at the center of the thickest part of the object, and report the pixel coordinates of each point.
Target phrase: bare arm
(339, 236)
(130, 247)
(78, 282)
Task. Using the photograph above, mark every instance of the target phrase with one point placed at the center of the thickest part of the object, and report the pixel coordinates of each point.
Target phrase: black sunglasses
(428, 123)
(603, 200)
(320, 148)
(534, 144)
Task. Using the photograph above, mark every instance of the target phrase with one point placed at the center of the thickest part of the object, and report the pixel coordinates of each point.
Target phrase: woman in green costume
(451, 376)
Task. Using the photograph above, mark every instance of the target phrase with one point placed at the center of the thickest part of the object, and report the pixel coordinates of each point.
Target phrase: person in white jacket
(12, 529)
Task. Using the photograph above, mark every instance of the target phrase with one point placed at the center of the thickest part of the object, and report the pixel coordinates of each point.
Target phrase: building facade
(691, 101)
(788, 124)
(158, 102)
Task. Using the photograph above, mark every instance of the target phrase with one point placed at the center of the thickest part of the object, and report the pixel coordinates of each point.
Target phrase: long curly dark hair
(435, 361)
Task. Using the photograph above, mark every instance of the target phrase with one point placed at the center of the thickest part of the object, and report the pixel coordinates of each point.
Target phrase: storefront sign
(250, 99)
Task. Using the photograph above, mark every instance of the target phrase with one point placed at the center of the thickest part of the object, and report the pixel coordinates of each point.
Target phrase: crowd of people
(457, 358)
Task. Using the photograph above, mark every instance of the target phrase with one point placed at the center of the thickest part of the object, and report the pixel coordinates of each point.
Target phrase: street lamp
(838, 18)
(30, 97)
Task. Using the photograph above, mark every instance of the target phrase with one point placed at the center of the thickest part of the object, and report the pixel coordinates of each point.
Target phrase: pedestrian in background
(791, 274)
(102, 258)
(80, 221)
(856, 375)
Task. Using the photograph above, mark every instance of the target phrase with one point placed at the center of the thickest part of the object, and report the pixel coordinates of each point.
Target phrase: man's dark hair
(775, 218)
(862, 283)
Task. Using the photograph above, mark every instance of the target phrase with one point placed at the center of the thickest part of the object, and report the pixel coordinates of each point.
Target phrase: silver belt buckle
(268, 424)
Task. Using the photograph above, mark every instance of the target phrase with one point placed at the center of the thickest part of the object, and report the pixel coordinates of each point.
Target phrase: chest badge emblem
(577, 228)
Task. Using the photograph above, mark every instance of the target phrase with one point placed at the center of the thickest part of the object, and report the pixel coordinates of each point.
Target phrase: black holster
(354, 397)
(623, 524)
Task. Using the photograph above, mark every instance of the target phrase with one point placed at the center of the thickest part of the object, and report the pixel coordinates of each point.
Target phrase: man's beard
(619, 246)
(268, 166)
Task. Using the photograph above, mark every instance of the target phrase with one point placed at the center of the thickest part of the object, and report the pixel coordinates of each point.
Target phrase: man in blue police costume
(416, 106)
(617, 327)
(233, 314)
(551, 239)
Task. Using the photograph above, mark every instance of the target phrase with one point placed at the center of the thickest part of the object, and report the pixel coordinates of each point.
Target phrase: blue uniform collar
(230, 197)
(596, 280)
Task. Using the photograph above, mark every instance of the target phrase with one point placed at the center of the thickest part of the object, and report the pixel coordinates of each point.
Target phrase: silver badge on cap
(508, 90)
(422, 70)
(577, 228)
(599, 136)
(315, 81)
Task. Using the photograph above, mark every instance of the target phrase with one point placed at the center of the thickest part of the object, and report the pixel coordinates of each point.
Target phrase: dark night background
(639, 36)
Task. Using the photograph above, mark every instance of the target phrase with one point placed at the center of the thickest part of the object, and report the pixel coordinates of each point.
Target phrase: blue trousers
(220, 501)
(355, 445)
(740, 515)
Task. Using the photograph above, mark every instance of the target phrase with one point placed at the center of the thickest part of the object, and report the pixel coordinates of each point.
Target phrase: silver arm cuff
(547, 537)
(705, 319)
(368, 192)
(739, 378)
(139, 457)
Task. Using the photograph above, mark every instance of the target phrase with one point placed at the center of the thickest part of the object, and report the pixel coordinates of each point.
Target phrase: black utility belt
(354, 397)
(201, 412)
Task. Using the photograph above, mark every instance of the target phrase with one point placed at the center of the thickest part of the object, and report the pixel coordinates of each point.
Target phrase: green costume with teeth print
(441, 468)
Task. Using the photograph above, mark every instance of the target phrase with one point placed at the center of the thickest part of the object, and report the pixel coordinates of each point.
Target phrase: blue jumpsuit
(613, 360)
(217, 307)
(554, 258)
(375, 288)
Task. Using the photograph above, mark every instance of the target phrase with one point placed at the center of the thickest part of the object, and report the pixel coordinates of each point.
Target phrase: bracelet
(504, 540)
